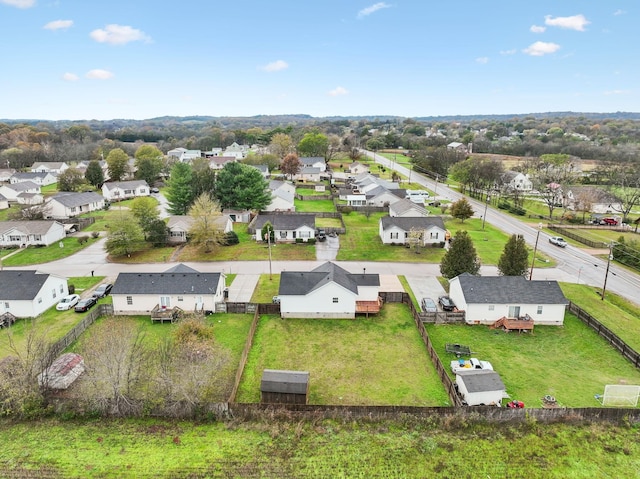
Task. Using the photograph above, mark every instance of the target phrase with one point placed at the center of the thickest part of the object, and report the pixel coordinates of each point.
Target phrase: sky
(138, 59)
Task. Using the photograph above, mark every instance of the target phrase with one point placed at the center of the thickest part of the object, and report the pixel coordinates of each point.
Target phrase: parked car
(322, 235)
(275, 300)
(558, 241)
(68, 302)
(429, 305)
(154, 190)
(85, 304)
(102, 290)
(609, 221)
(446, 303)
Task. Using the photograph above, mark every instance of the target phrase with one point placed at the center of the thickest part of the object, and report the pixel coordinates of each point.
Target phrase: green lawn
(328, 223)
(571, 362)
(37, 255)
(266, 288)
(52, 324)
(149, 255)
(314, 206)
(616, 313)
(375, 361)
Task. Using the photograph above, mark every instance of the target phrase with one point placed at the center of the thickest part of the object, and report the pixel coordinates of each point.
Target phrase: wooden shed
(62, 372)
(284, 387)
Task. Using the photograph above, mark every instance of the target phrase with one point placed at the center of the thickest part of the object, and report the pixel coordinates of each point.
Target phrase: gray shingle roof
(125, 185)
(509, 289)
(23, 186)
(20, 285)
(280, 381)
(77, 199)
(481, 381)
(28, 227)
(166, 283)
(310, 160)
(181, 268)
(29, 175)
(284, 221)
(404, 205)
(406, 223)
(303, 282)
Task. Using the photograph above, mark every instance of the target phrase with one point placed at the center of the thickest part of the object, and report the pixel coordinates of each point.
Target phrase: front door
(514, 311)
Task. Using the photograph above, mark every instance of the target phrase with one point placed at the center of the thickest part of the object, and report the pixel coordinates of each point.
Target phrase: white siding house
(39, 178)
(30, 233)
(486, 299)
(123, 190)
(396, 230)
(11, 191)
(54, 167)
(180, 225)
(27, 293)
(68, 205)
(180, 286)
(287, 228)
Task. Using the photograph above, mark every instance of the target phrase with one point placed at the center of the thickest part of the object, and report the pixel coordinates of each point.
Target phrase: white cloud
(118, 35)
(538, 49)
(58, 25)
(616, 92)
(372, 8)
(338, 91)
(98, 74)
(483, 60)
(19, 3)
(70, 77)
(513, 51)
(276, 66)
(537, 29)
(575, 22)
(619, 12)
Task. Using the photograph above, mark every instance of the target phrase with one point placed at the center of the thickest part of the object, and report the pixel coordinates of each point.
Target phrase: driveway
(163, 205)
(328, 250)
(425, 287)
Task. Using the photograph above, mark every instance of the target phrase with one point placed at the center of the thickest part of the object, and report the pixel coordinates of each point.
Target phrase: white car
(558, 241)
(68, 302)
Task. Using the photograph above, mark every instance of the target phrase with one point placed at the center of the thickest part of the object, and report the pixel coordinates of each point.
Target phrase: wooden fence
(614, 340)
(78, 329)
(575, 236)
(245, 354)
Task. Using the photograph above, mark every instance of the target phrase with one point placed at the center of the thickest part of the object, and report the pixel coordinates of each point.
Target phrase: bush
(504, 205)
(347, 210)
(83, 239)
(230, 238)
(312, 241)
(95, 234)
(72, 288)
(298, 240)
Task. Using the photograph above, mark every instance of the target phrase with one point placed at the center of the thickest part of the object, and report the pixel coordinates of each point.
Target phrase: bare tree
(31, 212)
(415, 239)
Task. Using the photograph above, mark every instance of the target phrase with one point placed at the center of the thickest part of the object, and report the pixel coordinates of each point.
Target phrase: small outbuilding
(62, 372)
(284, 387)
(480, 387)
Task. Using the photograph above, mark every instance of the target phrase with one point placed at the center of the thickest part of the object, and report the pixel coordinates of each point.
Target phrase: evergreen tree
(180, 191)
(461, 209)
(515, 257)
(94, 174)
(461, 257)
(243, 187)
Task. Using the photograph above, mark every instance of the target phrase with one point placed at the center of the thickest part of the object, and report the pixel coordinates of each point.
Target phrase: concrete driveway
(328, 250)
(425, 287)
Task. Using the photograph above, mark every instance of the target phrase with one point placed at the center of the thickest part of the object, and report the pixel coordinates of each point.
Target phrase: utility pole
(535, 248)
(606, 273)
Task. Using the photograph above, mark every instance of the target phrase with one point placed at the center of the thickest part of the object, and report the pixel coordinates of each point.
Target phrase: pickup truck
(468, 364)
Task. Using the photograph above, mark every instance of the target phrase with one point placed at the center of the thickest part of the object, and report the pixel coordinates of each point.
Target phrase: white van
(418, 196)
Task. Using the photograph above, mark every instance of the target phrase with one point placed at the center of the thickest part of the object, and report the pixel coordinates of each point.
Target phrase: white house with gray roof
(124, 190)
(486, 299)
(30, 233)
(68, 205)
(397, 229)
(42, 178)
(314, 162)
(27, 293)
(4, 203)
(12, 191)
(408, 209)
(53, 167)
(328, 291)
(287, 228)
(179, 286)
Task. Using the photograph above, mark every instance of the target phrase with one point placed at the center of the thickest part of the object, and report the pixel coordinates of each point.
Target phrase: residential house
(6, 173)
(180, 225)
(592, 199)
(82, 167)
(239, 152)
(352, 197)
(237, 216)
(486, 299)
(68, 205)
(308, 173)
(11, 191)
(183, 155)
(181, 286)
(282, 196)
(30, 199)
(212, 152)
(398, 229)
(40, 178)
(481, 387)
(314, 162)
(30, 233)
(407, 209)
(4, 203)
(27, 293)
(357, 168)
(124, 190)
(264, 169)
(53, 167)
(459, 147)
(219, 162)
(328, 291)
(287, 228)
(513, 180)
(381, 196)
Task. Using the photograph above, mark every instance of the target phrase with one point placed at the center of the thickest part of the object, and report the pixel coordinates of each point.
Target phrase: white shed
(480, 387)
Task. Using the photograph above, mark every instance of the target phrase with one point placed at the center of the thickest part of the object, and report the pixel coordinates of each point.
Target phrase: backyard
(376, 361)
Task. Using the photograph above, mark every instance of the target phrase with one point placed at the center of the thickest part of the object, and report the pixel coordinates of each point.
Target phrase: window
(305, 234)
(39, 300)
(492, 307)
(37, 238)
(73, 209)
(283, 234)
(14, 238)
(294, 235)
(61, 289)
(539, 309)
(54, 292)
(6, 305)
(129, 300)
(180, 298)
(394, 235)
(434, 235)
(335, 300)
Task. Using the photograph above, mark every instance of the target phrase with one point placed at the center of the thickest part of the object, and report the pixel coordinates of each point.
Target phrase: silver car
(429, 305)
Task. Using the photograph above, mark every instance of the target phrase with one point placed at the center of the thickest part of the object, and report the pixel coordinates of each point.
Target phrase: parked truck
(469, 364)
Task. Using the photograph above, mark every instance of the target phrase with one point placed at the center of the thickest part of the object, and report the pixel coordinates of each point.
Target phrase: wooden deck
(165, 315)
(368, 307)
(523, 323)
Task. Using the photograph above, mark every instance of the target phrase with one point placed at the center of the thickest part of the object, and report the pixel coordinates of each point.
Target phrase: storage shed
(480, 387)
(62, 372)
(284, 387)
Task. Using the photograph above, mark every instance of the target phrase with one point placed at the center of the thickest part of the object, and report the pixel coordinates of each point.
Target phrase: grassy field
(616, 313)
(328, 223)
(571, 362)
(266, 288)
(37, 255)
(52, 324)
(380, 360)
(314, 206)
(149, 255)
(314, 450)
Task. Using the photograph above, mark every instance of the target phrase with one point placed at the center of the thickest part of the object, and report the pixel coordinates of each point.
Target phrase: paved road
(574, 264)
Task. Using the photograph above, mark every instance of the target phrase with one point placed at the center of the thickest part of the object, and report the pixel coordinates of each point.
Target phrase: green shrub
(95, 234)
(311, 241)
(503, 205)
(230, 238)
(72, 288)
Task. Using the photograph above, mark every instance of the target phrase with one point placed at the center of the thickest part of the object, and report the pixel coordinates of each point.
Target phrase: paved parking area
(242, 288)
(390, 283)
(425, 287)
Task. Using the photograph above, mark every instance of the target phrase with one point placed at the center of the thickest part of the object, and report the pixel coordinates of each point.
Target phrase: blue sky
(95, 59)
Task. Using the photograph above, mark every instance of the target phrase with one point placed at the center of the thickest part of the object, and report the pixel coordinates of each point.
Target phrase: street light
(535, 248)
(486, 204)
